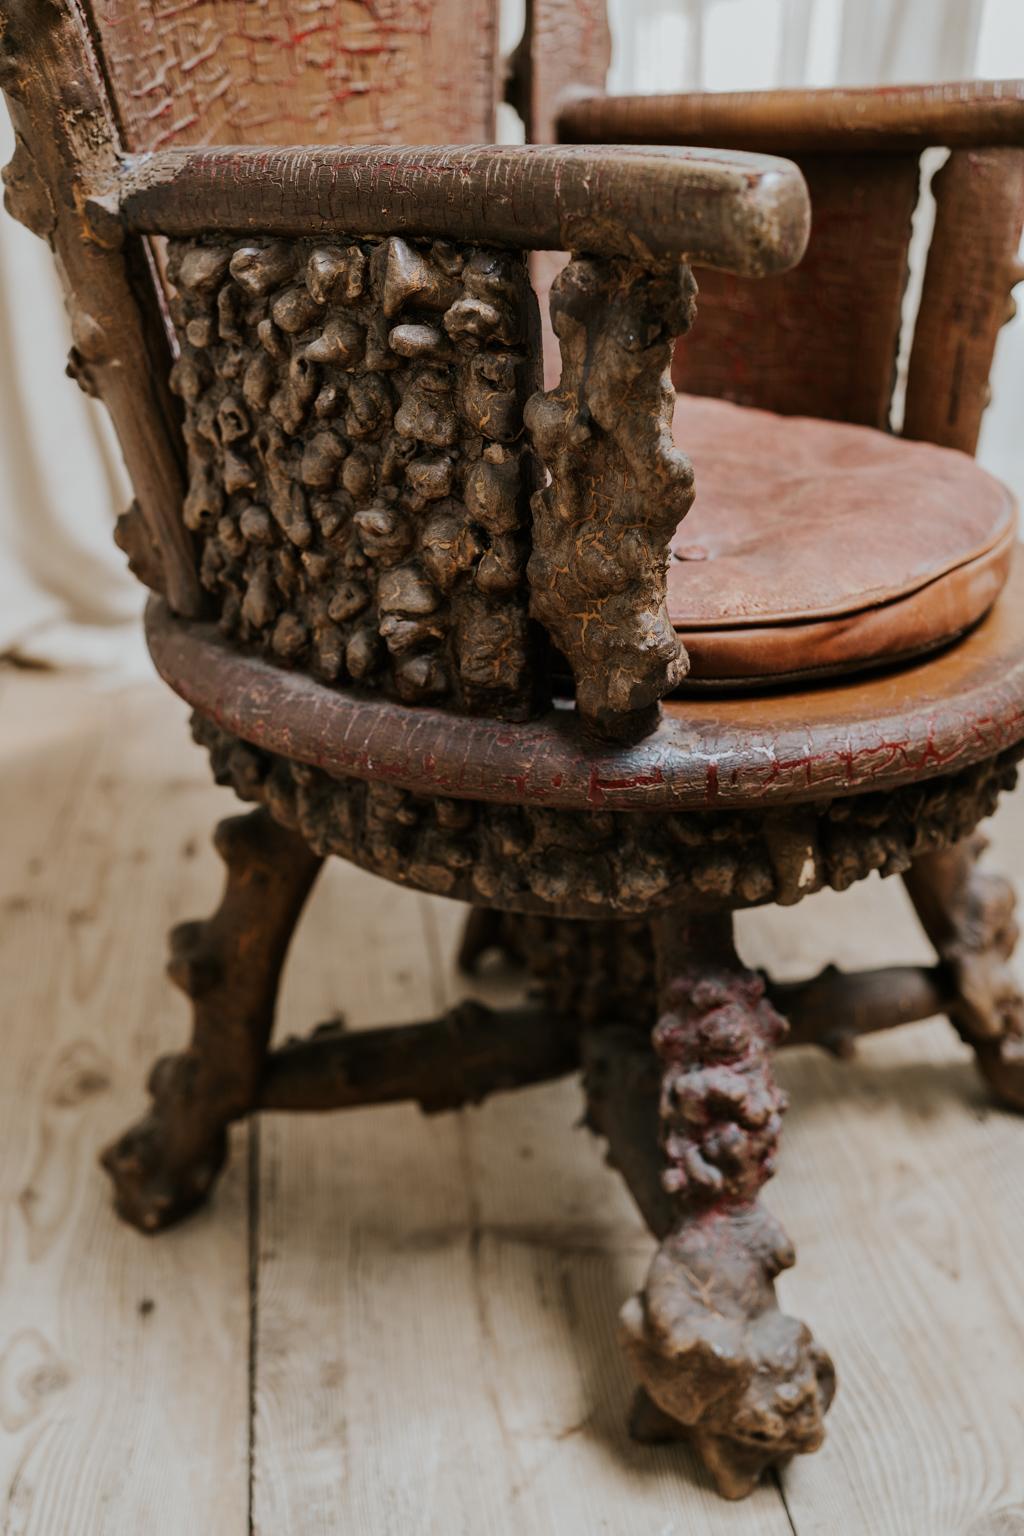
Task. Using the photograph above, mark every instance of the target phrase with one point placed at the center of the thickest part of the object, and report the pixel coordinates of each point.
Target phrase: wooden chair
(425, 612)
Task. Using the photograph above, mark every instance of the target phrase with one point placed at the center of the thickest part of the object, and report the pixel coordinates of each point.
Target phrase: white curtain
(65, 597)
(65, 594)
(688, 45)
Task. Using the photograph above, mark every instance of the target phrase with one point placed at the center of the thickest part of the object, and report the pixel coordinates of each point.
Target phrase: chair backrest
(823, 339)
(287, 72)
(349, 481)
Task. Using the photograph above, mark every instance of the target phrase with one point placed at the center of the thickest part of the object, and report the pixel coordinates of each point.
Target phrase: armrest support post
(618, 487)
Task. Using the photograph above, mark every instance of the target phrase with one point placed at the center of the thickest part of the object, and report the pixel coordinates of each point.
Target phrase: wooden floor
(386, 1323)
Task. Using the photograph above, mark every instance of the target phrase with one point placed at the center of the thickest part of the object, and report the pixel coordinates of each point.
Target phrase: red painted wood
(287, 72)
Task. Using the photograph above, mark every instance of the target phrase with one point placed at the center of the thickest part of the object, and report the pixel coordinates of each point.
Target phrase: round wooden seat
(934, 717)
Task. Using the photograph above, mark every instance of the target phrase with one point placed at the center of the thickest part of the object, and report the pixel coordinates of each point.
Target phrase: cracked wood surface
(409, 1266)
(745, 213)
(283, 72)
(883, 731)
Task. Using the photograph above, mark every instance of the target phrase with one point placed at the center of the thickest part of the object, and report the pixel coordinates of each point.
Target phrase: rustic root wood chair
(426, 615)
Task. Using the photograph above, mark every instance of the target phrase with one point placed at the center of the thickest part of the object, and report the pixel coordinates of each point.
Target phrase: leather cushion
(816, 547)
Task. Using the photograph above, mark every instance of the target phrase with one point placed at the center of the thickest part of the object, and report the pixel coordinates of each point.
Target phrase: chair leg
(486, 928)
(719, 1364)
(968, 914)
(229, 965)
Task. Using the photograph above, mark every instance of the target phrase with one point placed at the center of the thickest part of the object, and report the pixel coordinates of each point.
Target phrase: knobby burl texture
(358, 479)
(619, 487)
(604, 863)
(718, 1363)
(592, 971)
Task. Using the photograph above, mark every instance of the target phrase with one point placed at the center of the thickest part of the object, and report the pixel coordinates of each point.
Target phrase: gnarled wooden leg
(719, 1364)
(229, 966)
(968, 914)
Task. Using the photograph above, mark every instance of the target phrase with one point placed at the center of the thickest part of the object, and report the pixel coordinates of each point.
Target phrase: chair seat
(735, 751)
(817, 547)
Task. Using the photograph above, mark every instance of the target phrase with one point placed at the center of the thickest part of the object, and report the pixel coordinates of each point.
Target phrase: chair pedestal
(692, 1122)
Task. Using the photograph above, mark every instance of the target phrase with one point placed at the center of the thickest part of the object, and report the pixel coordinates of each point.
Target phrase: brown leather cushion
(816, 547)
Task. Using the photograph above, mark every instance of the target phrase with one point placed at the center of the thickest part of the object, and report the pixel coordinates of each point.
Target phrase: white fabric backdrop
(65, 597)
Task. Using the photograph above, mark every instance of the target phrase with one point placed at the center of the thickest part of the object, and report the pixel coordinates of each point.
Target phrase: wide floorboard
(398, 1324)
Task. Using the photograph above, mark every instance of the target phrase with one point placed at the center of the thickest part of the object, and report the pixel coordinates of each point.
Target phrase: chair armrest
(633, 219)
(887, 119)
(743, 213)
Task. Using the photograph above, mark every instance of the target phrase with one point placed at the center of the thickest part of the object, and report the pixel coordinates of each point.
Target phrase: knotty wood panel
(285, 72)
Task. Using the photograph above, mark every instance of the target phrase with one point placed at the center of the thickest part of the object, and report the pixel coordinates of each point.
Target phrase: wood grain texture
(966, 295)
(565, 52)
(888, 119)
(945, 713)
(746, 213)
(66, 148)
(283, 72)
(123, 1378)
(820, 340)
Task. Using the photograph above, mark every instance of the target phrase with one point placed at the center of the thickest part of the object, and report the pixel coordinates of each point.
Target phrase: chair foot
(969, 916)
(719, 1365)
(164, 1166)
(229, 965)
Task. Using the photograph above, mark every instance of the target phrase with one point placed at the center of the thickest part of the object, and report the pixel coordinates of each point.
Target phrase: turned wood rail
(955, 114)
